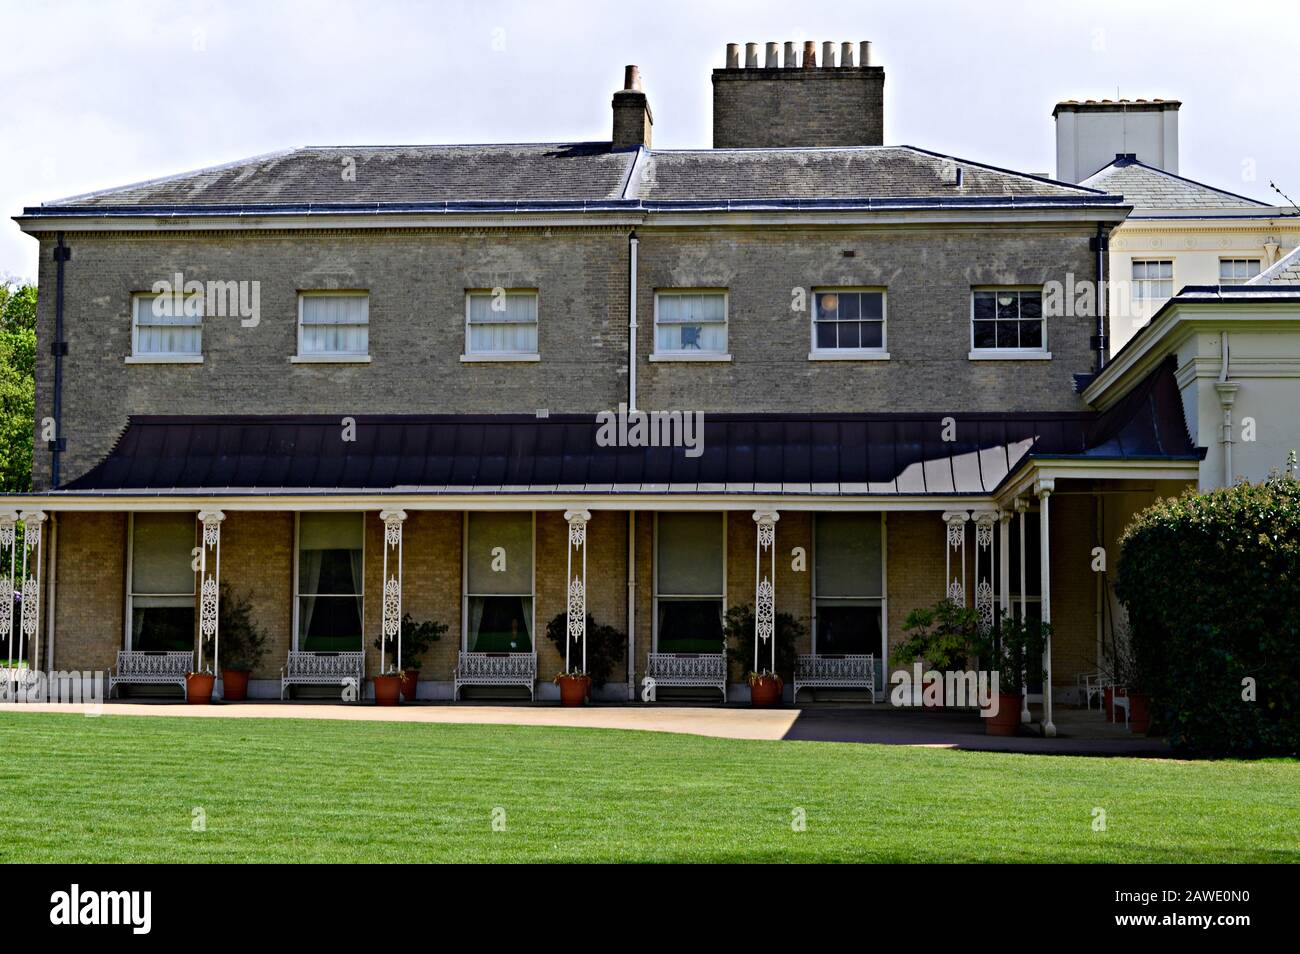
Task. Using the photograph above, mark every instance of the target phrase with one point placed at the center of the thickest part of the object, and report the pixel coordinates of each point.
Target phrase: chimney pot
(733, 56)
(864, 57)
(846, 54)
(632, 78)
(770, 62)
(790, 61)
(828, 55)
(810, 55)
(751, 56)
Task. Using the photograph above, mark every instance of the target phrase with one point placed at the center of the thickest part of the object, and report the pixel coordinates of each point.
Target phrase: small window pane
(873, 334)
(335, 324)
(986, 334)
(1031, 334)
(985, 305)
(826, 334)
(849, 335)
(1008, 336)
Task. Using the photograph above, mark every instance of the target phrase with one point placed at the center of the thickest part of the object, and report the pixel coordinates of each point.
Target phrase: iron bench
(835, 672)
(495, 669)
(140, 667)
(689, 670)
(323, 669)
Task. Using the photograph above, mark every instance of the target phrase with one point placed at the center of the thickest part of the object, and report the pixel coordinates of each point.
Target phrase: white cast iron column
(8, 544)
(1044, 490)
(29, 634)
(210, 587)
(575, 621)
(765, 584)
(1022, 505)
(984, 520)
(955, 586)
(390, 620)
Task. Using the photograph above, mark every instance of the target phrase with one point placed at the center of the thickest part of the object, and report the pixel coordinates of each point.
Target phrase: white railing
(835, 672)
(145, 668)
(324, 669)
(495, 669)
(707, 670)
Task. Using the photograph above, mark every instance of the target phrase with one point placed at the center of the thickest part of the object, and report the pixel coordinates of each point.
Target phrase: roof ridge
(1118, 163)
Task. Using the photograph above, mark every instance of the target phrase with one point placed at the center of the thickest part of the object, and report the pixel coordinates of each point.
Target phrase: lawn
(128, 789)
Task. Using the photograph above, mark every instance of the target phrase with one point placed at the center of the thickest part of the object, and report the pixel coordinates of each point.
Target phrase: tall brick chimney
(798, 104)
(632, 117)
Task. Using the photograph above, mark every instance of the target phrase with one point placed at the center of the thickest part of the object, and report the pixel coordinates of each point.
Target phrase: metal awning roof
(830, 454)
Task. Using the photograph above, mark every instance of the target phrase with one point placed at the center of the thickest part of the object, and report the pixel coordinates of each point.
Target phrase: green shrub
(738, 626)
(1212, 586)
(946, 635)
(417, 639)
(606, 647)
(242, 642)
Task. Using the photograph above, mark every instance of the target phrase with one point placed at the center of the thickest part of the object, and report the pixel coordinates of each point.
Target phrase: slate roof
(1285, 271)
(1149, 189)
(832, 454)
(414, 178)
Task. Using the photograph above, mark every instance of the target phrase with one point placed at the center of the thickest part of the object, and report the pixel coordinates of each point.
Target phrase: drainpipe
(1100, 339)
(631, 606)
(59, 348)
(1227, 391)
(632, 242)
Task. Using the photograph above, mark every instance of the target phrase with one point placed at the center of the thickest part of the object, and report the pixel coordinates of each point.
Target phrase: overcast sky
(98, 94)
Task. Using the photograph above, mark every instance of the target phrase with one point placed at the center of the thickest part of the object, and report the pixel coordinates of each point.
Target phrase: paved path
(1082, 734)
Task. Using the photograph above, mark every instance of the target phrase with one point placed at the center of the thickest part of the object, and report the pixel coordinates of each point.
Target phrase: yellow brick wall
(90, 590)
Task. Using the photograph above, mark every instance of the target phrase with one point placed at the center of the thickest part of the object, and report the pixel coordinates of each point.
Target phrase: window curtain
(691, 322)
(690, 554)
(320, 534)
(335, 324)
(308, 581)
(174, 332)
(512, 330)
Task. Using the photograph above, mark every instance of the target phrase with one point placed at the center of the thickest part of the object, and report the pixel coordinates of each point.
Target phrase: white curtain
(171, 328)
(508, 328)
(335, 324)
(695, 322)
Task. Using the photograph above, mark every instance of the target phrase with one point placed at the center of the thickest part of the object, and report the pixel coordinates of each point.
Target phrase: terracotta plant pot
(1139, 713)
(387, 690)
(573, 689)
(198, 688)
(234, 685)
(410, 682)
(765, 691)
(1007, 719)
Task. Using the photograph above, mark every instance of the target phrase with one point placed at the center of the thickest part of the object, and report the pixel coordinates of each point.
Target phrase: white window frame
(850, 354)
(332, 357)
(693, 355)
(470, 356)
(656, 594)
(175, 357)
(1236, 259)
(127, 636)
(297, 519)
(465, 594)
(1007, 354)
(882, 601)
(1141, 284)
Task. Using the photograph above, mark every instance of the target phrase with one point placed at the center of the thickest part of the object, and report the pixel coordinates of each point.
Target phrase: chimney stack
(1090, 135)
(798, 103)
(632, 117)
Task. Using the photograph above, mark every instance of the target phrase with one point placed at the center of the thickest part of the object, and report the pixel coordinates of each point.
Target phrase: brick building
(359, 382)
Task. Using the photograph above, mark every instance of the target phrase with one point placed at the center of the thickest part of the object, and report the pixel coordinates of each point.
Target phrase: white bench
(835, 672)
(323, 669)
(689, 670)
(495, 669)
(138, 667)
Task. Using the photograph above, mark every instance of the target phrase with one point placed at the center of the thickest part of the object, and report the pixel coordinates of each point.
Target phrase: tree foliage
(1212, 586)
(17, 385)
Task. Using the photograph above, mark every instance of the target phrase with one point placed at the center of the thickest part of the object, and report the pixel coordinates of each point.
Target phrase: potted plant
(946, 636)
(1015, 646)
(242, 645)
(388, 687)
(605, 649)
(198, 687)
(765, 685)
(417, 639)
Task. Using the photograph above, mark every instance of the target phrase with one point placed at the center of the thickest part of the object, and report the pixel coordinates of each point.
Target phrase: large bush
(1212, 587)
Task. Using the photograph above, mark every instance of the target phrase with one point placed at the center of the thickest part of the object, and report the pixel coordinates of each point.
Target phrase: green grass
(124, 789)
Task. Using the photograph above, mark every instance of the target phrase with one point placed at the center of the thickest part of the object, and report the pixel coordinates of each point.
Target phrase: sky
(98, 94)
